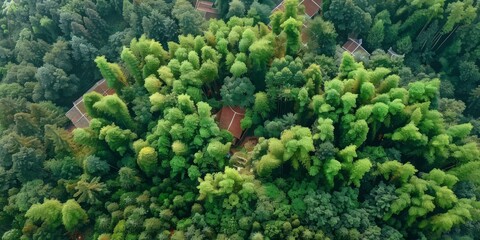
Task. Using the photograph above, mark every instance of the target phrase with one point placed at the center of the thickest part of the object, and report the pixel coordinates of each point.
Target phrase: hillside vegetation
(348, 147)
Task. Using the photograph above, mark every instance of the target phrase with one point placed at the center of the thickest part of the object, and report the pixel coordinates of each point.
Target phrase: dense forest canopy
(384, 146)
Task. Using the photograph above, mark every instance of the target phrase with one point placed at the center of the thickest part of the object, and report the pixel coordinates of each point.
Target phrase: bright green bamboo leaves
(147, 160)
(117, 139)
(325, 130)
(73, 216)
(49, 213)
(292, 28)
(152, 84)
(293, 146)
(358, 170)
(114, 109)
(132, 64)
(112, 73)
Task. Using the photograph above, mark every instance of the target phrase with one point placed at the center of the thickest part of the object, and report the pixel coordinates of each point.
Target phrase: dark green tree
(321, 36)
(54, 84)
(237, 92)
(349, 18)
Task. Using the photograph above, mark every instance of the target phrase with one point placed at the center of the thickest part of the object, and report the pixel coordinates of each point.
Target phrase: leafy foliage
(335, 148)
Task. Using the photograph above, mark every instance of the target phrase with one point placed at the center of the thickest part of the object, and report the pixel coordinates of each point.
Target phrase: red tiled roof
(229, 119)
(205, 3)
(78, 113)
(351, 45)
(207, 9)
(354, 45)
(312, 7)
(209, 15)
(304, 35)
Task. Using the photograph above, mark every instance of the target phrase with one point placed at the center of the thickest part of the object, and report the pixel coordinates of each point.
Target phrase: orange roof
(229, 119)
(78, 113)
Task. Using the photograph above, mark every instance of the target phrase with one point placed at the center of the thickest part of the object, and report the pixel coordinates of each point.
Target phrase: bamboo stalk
(454, 30)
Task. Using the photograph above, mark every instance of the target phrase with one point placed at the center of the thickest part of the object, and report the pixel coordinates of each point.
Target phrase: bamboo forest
(239, 119)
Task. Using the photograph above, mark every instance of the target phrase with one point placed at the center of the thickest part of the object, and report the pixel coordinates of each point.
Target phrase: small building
(78, 113)
(206, 9)
(311, 7)
(229, 118)
(354, 47)
(394, 55)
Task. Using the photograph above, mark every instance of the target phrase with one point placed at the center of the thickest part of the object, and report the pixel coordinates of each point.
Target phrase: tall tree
(237, 92)
(189, 20)
(322, 37)
(237, 9)
(376, 35)
(54, 85)
(349, 18)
